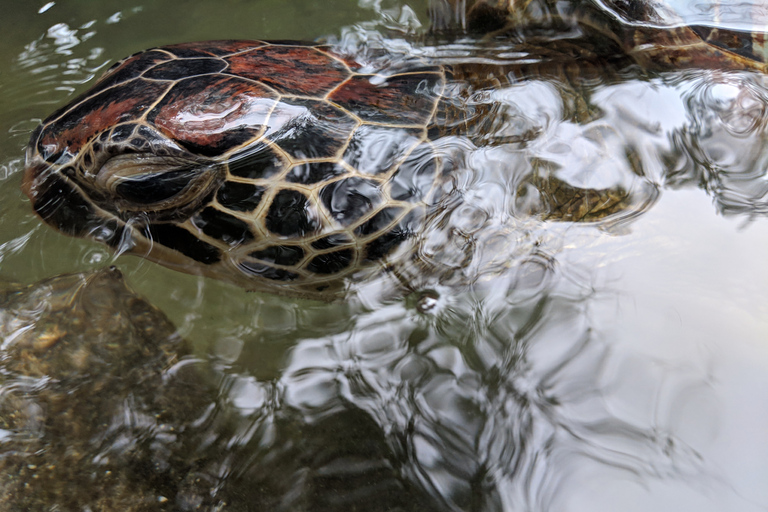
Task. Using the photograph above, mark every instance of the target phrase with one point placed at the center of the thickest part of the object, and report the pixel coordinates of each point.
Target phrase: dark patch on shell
(131, 68)
(315, 130)
(289, 215)
(332, 262)
(241, 197)
(331, 241)
(258, 162)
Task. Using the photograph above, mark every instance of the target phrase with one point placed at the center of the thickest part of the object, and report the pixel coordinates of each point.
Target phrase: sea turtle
(288, 166)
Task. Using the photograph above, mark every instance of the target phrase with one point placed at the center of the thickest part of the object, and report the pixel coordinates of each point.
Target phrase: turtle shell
(276, 166)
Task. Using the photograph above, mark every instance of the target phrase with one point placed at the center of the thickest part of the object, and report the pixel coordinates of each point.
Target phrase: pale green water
(621, 369)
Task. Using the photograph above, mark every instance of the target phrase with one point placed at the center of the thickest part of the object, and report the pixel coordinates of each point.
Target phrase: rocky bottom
(102, 407)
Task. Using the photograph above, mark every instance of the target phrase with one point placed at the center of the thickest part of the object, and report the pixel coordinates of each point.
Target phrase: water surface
(602, 366)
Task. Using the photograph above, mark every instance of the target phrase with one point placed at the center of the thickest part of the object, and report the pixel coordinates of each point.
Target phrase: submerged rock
(102, 409)
(93, 398)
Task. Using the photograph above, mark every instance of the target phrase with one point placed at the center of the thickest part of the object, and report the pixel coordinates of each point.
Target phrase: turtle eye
(155, 187)
(153, 183)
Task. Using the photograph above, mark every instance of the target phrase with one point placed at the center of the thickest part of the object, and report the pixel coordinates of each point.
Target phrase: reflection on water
(545, 365)
(722, 148)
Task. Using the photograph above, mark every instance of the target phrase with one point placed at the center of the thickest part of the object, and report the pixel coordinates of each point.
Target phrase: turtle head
(145, 144)
(79, 180)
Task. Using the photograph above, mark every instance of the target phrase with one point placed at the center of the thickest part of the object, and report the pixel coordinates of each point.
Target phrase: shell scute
(131, 68)
(259, 161)
(98, 113)
(223, 226)
(291, 70)
(289, 215)
(185, 68)
(331, 262)
(311, 128)
(287, 255)
(212, 114)
(212, 48)
(314, 172)
(332, 242)
(398, 100)
(241, 197)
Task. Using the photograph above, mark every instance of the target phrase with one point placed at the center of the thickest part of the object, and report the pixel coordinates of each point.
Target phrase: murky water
(551, 366)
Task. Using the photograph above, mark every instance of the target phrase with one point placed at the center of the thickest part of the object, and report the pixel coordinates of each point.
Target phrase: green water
(625, 368)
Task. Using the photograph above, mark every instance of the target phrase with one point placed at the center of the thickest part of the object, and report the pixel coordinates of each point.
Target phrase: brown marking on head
(406, 99)
(290, 69)
(99, 112)
(213, 113)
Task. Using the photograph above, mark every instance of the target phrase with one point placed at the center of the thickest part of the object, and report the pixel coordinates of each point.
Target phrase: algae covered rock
(94, 396)
(103, 409)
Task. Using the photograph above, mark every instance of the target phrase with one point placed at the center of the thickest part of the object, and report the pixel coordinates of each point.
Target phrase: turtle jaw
(39, 178)
(50, 192)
